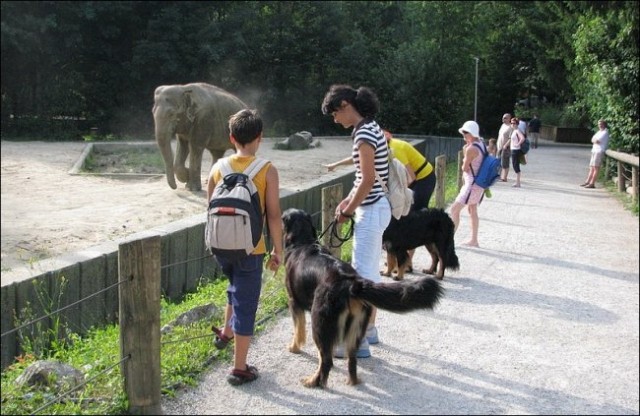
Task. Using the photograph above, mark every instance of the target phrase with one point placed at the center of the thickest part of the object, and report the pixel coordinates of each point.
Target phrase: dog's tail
(451, 261)
(402, 296)
(452, 258)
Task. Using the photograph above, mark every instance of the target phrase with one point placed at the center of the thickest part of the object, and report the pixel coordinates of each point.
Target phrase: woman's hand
(342, 214)
(330, 167)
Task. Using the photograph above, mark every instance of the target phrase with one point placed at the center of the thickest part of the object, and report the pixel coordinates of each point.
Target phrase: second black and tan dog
(428, 227)
(339, 299)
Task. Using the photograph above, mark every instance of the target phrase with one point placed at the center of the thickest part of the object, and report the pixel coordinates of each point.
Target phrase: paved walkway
(543, 319)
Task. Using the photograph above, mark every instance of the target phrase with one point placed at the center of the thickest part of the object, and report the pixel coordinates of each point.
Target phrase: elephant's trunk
(164, 135)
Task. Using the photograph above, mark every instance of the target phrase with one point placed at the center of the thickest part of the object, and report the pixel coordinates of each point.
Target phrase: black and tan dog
(339, 299)
(428, 227)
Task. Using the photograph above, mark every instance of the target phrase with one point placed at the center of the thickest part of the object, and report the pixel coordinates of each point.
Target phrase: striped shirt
(369, 132)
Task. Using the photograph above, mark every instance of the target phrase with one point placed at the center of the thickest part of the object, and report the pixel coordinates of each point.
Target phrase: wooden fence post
(441, 169)
(634, 183)
(622, 186)
(331, 197)
(459, 171)
(139, 266)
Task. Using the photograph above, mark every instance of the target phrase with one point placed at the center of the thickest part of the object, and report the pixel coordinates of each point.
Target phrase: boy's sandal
(221, 340)
(237, 377)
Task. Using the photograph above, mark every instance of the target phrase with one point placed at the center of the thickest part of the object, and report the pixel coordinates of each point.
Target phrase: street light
(475, 103)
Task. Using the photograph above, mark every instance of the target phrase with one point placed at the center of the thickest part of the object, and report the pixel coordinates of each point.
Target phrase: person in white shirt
(522, 126)
(600, 142)
(504, 137)
(516, 140)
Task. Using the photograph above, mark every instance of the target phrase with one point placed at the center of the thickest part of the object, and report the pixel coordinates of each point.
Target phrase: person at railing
(421, 171)
(600, 141)
(421, 174)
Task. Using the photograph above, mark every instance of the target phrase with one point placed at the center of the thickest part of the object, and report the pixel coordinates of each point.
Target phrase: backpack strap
(224, 166)
(251, 170)
(378, 178)
(483, 151)
(255, 167)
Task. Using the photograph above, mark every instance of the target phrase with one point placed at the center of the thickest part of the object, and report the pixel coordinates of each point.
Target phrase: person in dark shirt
(534, 131)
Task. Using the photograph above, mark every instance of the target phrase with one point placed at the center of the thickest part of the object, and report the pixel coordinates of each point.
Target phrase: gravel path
(543, 319)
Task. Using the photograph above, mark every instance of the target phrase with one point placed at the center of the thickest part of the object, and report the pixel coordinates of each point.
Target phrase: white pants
(370, 223)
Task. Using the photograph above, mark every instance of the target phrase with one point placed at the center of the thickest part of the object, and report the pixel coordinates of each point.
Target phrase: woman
(517, 138)
(470, 194)
(366, 202)
(600, 141)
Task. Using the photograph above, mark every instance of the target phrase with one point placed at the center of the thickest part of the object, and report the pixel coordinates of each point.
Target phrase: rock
(298, 141)
(196, 314)
(47, 373)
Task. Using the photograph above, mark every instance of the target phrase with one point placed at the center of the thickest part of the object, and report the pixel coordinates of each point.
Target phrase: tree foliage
(101, 61)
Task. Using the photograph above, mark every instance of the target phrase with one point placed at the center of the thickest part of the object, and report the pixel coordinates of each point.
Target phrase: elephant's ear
(190, 106)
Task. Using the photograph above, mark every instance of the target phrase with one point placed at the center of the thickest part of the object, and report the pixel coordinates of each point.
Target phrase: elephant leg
(195, 166)
(182, 151)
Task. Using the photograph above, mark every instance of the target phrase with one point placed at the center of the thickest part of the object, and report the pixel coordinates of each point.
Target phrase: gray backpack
(397, 188)
(234, 218)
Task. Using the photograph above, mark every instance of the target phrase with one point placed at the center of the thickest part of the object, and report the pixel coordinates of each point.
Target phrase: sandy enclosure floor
(47, 212)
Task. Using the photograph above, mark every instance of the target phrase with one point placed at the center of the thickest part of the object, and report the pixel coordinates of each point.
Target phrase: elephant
(197, 114)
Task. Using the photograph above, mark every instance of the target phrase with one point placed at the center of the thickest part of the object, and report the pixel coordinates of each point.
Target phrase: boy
(245, 275)
(492, 148)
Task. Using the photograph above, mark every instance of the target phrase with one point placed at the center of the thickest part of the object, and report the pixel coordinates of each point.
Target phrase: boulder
(48, 373)
(191, 316)
(298, 141)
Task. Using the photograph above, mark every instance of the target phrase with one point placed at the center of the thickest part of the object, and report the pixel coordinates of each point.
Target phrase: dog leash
(336, 234)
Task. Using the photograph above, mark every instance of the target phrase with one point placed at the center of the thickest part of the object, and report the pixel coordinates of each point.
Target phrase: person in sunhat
(470, 194)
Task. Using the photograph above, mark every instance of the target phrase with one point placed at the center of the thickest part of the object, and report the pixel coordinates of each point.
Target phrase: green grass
(186, 352)
(124, 159)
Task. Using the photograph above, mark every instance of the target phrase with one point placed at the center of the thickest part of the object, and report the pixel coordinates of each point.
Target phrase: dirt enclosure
(47, 212)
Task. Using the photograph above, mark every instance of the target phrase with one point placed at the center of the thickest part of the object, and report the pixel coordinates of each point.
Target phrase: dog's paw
(353, 382)
(385, 273)
(313, 381)
(428, 271)
(294, 349)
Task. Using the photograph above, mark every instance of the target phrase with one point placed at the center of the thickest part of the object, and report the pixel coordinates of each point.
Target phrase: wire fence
(275, 290)
(140, 355)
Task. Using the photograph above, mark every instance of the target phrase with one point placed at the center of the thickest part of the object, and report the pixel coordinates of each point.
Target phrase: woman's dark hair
(363, 100)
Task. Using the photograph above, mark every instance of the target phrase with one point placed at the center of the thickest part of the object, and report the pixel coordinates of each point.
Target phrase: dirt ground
(47, 212)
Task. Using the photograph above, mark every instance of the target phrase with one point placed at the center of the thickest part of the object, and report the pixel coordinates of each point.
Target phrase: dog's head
(298, 228)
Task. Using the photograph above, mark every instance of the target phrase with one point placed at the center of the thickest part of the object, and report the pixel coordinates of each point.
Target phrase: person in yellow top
(245, 275)
(420, 170)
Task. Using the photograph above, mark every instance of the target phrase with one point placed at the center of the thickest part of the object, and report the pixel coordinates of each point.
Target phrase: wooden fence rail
(623, 159)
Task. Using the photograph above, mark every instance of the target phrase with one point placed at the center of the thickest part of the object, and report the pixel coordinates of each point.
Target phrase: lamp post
(475, 103)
